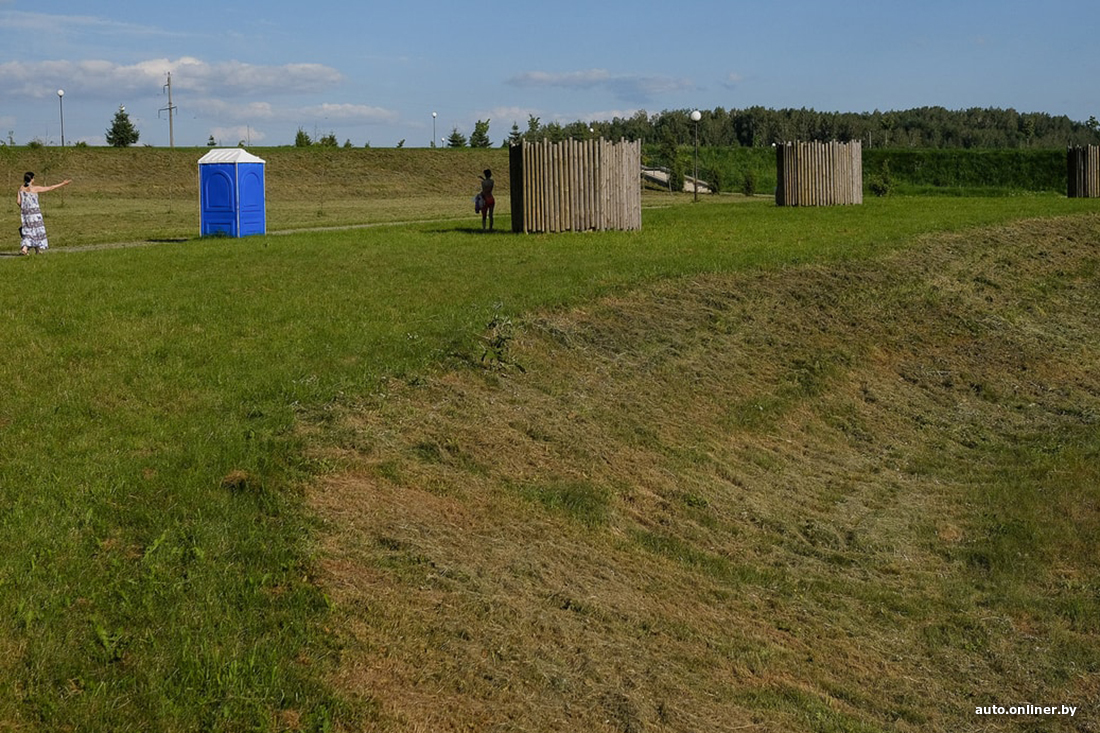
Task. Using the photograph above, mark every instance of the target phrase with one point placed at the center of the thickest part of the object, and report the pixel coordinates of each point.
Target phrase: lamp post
(433, 129)
(61, 107)
(696, 115)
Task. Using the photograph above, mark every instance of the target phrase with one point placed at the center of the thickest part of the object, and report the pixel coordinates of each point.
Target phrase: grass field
(150, 194)
(747, 469)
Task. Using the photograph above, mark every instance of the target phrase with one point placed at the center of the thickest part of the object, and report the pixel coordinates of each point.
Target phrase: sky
(374, 73)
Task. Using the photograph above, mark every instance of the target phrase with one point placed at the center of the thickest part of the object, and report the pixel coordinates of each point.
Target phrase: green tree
(122, 133)
(533, 127)
(456, 140)
(301, 140)
(578, 130)
(515, 137)
(211, 143)
(889, 122)
(553, 131)
(671, 156)
(480, 136)
(1027, 128)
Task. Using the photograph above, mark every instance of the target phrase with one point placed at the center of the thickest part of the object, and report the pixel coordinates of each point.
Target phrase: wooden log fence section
(819, 174)
(576, 185)
(1083, 171)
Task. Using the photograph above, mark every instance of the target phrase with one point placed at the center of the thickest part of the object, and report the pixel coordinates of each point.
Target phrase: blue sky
(374, 72)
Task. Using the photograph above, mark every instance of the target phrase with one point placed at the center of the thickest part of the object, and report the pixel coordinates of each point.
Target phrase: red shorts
(487, 201)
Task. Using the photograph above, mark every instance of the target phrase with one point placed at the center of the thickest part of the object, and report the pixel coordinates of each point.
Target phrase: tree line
(923, 127)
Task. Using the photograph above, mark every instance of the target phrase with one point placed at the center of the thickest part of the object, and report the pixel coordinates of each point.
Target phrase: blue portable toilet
(231, 189)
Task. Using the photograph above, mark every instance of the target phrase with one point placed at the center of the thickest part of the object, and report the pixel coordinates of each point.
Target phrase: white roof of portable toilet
(229, 155)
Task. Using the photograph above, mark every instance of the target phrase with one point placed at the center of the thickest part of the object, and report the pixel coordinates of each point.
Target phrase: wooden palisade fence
(1083, 169)
(576, 185)
(819, 174)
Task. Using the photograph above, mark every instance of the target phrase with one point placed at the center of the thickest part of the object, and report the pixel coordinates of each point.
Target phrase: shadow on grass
(471, 230)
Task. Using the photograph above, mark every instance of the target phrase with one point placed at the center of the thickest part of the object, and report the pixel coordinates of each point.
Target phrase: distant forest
(925, 127)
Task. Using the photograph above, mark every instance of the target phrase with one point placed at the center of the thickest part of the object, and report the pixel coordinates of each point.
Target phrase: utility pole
(171, 108)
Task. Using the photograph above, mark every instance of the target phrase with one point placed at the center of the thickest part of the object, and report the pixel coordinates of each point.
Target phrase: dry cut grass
(849, 498)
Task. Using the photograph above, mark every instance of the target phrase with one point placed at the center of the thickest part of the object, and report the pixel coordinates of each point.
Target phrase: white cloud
(570, 79)
(639, 88)
(227, 110)
(230, 136)
(609, 115)
(505, 116)
(72, 24)
(266, 112)
(732, 80)
(106, 79)
(360, 113)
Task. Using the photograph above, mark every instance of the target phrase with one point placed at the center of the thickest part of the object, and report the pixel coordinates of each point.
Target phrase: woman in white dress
(32, 229)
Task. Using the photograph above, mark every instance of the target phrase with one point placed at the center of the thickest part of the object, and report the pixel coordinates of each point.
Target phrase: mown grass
(905, 531)
(159, 568)
(151, 194)
(143, 194)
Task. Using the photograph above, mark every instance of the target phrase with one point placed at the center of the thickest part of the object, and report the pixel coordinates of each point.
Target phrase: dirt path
(181, 240)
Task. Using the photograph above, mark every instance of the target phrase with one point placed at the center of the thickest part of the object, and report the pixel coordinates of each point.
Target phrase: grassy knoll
(151, 194)
(284, 483)
(839, 496)
(141, 194)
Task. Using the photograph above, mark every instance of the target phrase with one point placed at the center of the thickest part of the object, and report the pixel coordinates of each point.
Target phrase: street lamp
(61, 106)
(696, 115)
(433, 129)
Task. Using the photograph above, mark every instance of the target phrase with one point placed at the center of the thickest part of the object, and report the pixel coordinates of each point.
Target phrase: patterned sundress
(33, 229)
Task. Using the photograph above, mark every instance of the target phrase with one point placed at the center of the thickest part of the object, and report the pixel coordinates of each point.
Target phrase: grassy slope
(161, 401)
(832, 498)
(138, 194)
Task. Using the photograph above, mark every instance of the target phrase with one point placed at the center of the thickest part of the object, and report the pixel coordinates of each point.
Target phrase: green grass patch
(581, 501)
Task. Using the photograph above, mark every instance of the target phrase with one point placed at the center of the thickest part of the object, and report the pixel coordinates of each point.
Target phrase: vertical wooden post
(515, 175)
(819, 174)
(1083, 171)
(577, 185)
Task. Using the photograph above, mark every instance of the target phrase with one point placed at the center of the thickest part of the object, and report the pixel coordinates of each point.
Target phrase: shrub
(714, 180)
(880, 183)
(748, 183)
(676, 175)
